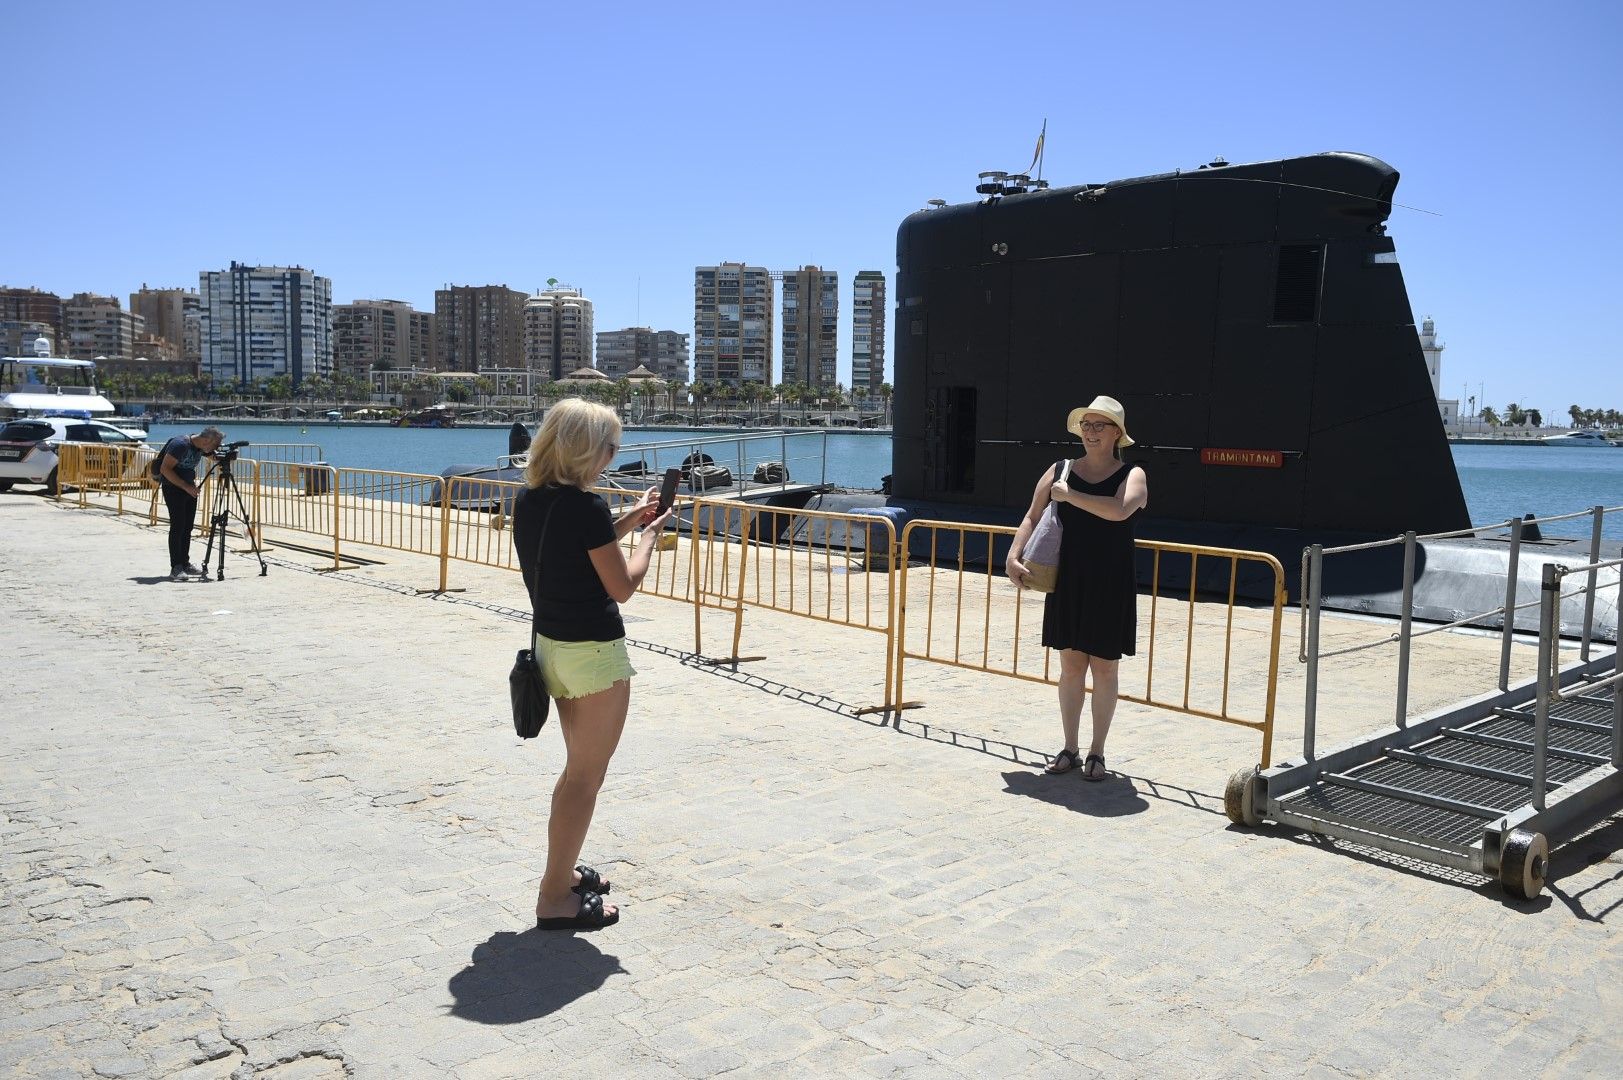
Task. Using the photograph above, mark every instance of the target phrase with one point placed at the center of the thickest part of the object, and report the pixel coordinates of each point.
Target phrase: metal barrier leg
(1404, 640)
(1549, 622)
(1589, 589)
(1310, 712)
(1510, 602)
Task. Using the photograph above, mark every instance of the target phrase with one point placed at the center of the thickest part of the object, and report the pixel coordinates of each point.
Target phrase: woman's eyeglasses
(1096, 425)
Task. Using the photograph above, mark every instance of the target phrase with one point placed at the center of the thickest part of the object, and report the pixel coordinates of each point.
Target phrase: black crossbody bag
(525, 685)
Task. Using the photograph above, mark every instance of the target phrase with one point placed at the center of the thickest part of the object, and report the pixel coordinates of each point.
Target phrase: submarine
(1252, 318)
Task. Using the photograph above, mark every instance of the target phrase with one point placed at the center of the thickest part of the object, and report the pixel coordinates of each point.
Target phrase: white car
(28, 447)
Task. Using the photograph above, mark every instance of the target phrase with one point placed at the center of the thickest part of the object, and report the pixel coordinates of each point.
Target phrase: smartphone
(667, 491)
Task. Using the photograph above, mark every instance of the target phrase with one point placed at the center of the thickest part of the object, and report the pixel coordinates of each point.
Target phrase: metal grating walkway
(1440, 793)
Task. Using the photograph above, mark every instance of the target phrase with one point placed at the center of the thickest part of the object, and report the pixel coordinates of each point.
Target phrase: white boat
(1577, 438)
(50, 384)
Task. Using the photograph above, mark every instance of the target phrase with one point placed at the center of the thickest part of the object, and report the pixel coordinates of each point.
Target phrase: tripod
(225, 489)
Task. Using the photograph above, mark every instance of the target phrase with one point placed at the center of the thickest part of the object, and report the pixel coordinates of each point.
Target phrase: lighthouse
(1432, 350)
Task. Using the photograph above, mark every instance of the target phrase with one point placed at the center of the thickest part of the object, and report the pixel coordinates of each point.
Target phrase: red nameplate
(1256, 459)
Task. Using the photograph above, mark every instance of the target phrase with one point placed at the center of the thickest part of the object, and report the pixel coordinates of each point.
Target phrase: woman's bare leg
(1105, 682)
(1073, 678)
(591, 729)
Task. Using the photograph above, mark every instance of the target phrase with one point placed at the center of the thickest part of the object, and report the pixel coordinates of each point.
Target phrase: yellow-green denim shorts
(573, 669)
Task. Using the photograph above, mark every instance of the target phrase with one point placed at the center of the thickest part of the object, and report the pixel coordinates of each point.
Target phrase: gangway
(1479, 786)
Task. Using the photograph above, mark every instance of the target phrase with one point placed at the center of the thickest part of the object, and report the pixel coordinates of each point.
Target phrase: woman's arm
(1132, 496)
(1012, 565)
(621, 576)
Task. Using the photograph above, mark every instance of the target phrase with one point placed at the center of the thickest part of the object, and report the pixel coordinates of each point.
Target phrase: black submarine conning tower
(1252, 319)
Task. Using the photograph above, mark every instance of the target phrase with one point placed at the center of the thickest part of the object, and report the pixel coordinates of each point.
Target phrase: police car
(28, 447)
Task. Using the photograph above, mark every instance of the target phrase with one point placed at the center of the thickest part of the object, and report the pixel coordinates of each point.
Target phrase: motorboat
(1577, 438)
(46, 384)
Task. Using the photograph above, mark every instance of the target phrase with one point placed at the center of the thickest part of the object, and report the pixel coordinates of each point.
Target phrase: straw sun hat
(1107, 408)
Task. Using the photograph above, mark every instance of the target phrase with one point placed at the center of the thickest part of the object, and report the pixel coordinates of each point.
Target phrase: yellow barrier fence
(840, 569)
(959, 609)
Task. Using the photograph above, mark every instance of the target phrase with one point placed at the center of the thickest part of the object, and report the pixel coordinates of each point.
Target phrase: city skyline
(1495, 118)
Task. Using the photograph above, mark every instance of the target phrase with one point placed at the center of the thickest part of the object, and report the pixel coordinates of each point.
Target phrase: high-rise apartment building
(381, 335)
(262, 321)
(33, 306)
(868, 332)
(664, 352)
(811, 326)
(557, 332)
(732, 324)
(174, 315)
(477, 327)
(17, 337)
(95, 326)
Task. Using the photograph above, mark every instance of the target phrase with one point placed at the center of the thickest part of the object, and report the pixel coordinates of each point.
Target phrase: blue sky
(395, 148)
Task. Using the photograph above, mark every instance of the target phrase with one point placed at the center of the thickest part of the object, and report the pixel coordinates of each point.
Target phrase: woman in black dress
(1091, 617)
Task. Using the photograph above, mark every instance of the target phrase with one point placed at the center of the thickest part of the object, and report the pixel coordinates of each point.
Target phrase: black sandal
(1069, 757)
(589, 917)
(590, 882)
(1087, 768)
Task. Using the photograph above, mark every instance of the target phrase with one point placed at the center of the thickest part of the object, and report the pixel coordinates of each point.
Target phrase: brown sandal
(1087, 768)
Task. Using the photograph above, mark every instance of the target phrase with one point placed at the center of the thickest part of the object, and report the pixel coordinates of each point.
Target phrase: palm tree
(885, 391)
(1490, 417)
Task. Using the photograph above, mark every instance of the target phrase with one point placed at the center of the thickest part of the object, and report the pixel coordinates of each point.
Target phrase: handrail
(1312, 608)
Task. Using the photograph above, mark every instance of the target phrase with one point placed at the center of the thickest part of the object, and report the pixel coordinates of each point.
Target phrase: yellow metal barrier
(985, 624)
(478, 521)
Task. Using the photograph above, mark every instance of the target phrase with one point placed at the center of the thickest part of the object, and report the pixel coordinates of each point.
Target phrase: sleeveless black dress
(1094, 607)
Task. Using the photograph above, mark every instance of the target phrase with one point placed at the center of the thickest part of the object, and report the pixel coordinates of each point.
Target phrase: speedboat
(1577, 438)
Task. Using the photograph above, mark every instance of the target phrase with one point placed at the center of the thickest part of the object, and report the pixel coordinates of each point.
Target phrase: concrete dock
(280, 827)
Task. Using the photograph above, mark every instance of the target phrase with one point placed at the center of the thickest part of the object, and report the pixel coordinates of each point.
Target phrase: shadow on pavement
(517, 977)
(151, 580)
(1114, 796)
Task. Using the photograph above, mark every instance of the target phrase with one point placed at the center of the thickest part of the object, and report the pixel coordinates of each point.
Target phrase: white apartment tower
(868, 332)
(262, 321)
(732, 324)
(811, 327)
(557, 332)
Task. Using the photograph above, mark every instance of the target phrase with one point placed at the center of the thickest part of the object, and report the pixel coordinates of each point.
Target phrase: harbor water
(1499, 481)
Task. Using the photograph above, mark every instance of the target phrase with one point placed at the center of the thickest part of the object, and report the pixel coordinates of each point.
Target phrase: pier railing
(726, 556)
(1519, 610)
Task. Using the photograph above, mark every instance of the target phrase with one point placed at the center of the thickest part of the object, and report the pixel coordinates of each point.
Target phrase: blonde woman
(1091, 617)
(577, 576)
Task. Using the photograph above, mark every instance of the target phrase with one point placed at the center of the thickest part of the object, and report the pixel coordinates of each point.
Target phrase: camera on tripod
(228, 452)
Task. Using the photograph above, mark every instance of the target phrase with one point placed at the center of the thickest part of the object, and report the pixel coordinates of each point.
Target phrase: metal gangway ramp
(1481, 785)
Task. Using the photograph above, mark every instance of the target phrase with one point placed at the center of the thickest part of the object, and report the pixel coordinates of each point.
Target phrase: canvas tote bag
(1042, 550)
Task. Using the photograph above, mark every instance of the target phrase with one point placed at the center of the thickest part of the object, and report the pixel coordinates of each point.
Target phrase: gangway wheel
(1239, 798)
(1522, 863)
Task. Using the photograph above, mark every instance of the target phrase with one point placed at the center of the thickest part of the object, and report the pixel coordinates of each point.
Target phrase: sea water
(1499, 482)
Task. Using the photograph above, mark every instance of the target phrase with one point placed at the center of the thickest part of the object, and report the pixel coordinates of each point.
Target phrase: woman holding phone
(577, 576)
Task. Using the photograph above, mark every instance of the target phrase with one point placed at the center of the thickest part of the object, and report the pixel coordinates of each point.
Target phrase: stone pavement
(279, 827)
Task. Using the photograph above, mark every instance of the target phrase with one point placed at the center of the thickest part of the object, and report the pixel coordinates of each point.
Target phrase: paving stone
(322, 859)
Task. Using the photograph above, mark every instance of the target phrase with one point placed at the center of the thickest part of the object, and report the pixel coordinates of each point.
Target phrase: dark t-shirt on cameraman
(567, 596)
(186, 458)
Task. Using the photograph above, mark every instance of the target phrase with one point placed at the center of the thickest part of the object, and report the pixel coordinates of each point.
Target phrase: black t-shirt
(186, 458)
(567, 596)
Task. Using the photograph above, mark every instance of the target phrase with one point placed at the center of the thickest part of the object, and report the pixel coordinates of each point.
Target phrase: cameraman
(177, 475)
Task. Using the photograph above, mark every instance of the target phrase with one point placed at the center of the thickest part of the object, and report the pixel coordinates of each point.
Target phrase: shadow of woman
(1114, 796)
(517, 977)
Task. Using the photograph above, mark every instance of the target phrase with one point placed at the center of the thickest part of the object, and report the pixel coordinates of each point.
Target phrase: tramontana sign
(1255, 459)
